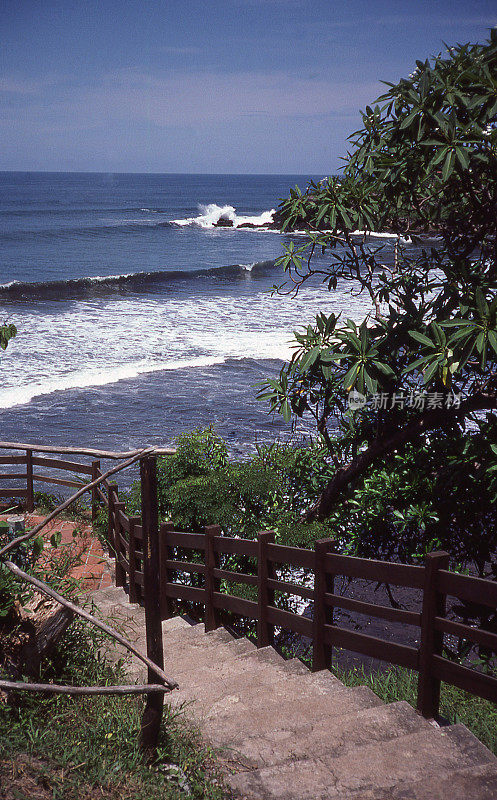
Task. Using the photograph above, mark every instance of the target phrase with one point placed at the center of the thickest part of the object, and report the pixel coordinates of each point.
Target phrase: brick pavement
(80, 544)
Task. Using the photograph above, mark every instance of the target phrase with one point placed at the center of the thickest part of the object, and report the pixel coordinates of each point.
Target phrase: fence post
(111, 538)
(29, 482)
(322, 653)
(431, 640)
(118, 547)
(167, 603)
(212, 584)
(152, 716)
(95, 473)
(265, 596)
(133, 593)
(111, 488)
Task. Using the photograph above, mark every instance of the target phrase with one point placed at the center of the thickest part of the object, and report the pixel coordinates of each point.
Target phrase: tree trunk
(29, 634)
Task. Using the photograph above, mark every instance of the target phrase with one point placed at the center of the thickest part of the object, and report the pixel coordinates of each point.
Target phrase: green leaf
(448, 166)
(38, 545)
(430, 371)
(286, 411)
(462, 157)
(492, 338)
(420, 337)
(55, 538)
(351, 376)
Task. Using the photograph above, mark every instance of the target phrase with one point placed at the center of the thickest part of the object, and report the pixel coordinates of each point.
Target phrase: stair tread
(470, 783)
(376, 723)
(274, 722)
(372, 771)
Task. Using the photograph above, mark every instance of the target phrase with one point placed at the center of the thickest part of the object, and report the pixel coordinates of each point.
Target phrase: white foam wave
(211, 214)
(103, 278)
(9, 284)
(99, 341)
(382, 235)
(90, 378)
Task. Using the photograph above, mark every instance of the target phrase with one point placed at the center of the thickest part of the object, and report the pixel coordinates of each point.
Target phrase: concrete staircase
(287, 734)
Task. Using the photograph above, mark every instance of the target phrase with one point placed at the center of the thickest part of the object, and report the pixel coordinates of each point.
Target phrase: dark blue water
(137, 317)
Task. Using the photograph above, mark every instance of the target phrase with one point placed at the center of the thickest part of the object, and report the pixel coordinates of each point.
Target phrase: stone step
(257, 709)
(471, 783)
(288, 734)
(111, 595)
(332, 737)
(188, 650)
(375, 771)
(210, 683)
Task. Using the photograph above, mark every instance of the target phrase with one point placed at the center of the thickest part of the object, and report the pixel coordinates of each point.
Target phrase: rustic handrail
(63, 465)
(152, 716)
(85, 451)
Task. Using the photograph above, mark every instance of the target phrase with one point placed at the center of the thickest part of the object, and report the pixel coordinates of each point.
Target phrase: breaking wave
(133, 283)
(211, 215)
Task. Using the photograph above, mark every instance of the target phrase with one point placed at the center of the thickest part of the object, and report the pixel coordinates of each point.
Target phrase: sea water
(138, 316)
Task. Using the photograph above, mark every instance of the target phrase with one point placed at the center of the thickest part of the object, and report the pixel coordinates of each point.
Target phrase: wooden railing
(177, 553)
(26, 489)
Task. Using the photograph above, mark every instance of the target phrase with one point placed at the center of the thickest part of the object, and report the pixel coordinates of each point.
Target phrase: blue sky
(257, 86)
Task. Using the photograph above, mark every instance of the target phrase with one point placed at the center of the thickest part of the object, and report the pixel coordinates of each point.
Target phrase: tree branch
(439, 417)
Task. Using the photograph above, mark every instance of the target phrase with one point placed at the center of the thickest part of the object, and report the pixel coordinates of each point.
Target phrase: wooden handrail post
(167, 603)
(265, 596)
(29, 482)
(431, 640)
(133, 592)
(118, 547)
(95, 472)
(152, 716)
(322, 653)
(111, 488)
(212, 584)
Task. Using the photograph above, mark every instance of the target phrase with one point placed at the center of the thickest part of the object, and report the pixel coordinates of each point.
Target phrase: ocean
(138, 318)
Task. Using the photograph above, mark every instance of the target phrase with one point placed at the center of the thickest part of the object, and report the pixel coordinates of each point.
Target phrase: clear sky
(258, 86)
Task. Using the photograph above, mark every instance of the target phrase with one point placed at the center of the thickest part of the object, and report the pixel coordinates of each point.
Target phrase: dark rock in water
(275, 224)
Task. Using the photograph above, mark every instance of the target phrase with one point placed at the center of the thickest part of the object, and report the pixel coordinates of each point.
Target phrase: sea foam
(211, 214)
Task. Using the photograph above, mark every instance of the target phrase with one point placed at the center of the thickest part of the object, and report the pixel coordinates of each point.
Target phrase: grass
(62, 748)
(75, 748)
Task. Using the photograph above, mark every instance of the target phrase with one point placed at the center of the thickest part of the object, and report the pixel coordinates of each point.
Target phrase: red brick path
(90, 564)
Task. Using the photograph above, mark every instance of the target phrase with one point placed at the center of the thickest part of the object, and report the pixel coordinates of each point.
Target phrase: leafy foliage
(7, 332)
(200, 485)
(424, 164)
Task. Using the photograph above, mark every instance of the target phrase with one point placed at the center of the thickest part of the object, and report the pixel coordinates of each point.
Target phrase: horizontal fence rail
(192, 570)
(197, 568)
(24, 487)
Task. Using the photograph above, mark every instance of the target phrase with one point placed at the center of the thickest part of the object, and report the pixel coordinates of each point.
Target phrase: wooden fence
(29, 477)
(150, 558)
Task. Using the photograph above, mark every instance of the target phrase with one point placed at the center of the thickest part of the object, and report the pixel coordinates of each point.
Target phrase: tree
(424, 358)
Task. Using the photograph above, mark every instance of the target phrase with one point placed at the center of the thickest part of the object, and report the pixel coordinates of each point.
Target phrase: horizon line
(119, 172)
